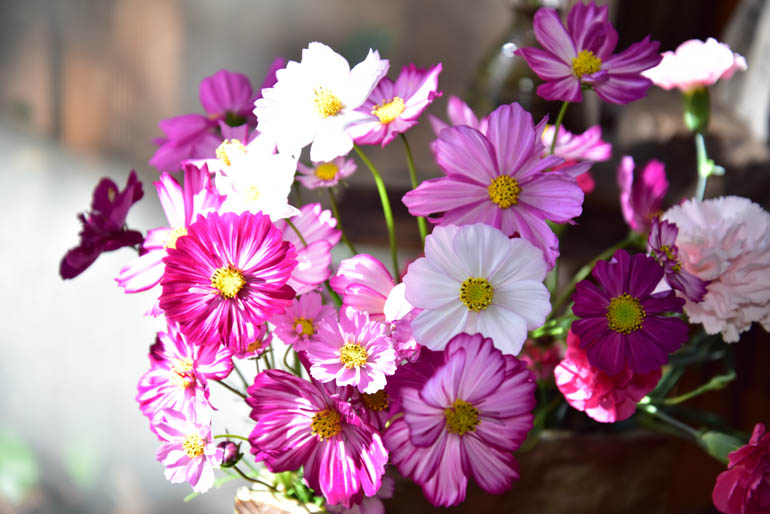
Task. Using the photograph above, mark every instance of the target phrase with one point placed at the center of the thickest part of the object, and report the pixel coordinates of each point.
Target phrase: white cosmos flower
(472, 279)
(315, 100)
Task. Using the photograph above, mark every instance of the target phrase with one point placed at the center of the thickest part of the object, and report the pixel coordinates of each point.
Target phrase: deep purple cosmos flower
(466, 410)
(104, 227)
(305, 424)
(623, 322)
(228, 273)
(581, 54)
(662, 242)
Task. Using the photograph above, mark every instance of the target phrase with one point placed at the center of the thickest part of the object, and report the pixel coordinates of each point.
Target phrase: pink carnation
(603, 397)
(745, 487)
(727, 241)
(695, 64)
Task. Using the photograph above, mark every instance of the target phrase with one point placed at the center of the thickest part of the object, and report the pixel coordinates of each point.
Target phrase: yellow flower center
(226, 150)
(193, 446)
(253, 193)
(254, 346)
(670, 256)
(461, 417)
(305, 326)
(326, 171)
(389, 111)
(181, 373)
(504, 191)
(625, 314)
(174, 235)
(228, 280)
(586, 63)
(476, 293)
(326, 424)
(327, 103)
(377, 402)
(353, 355)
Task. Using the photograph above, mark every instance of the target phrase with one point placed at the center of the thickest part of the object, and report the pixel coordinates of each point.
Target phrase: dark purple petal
(608, 354)
(667, 333)
(590, 300)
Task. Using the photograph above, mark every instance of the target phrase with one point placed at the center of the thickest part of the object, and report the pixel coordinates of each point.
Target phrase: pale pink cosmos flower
(354, 351)
(641, 199)
(695, 64)
(325, 174)
(301, 320)
(726, 240)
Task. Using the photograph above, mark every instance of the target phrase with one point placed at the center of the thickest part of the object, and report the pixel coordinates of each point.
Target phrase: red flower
(745, 487)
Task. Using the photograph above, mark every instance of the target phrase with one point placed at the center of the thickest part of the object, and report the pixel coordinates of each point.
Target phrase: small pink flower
(364, 283)
(301, 320)
(727, 241)
(696, 64)
(541, 360)
(605, 398)
(325, 174)
(641, 199)
(745, 487)
(574, 148)
(459, 113)
(354, 351)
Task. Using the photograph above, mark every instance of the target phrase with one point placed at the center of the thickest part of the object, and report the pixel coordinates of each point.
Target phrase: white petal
(527, 298)
(481, 248)
(507, 330)
(435, 328)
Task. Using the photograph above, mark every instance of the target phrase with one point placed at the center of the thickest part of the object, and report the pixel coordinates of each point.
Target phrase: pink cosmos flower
(695, 64)
(745, 487)
(393, 107)
(188, 450)
(727, 241)
(189, 136)
(605, 398)
(369, 504)
(459, 113)
(580, 54)
(498, 178)
(228, 272)
(304, 424)
(464, 418)
(622, 321)
(662, 242)
(642, 199)
(318, 229)
(325, 174)
(259, 339)
(301, 320)
(574, 148)
(179, 374)
(181, 204)
(474, 278)
(354, 351)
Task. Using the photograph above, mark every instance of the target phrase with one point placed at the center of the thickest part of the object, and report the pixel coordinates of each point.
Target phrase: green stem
(557, 125)
(231, 389)
(231, 436)
(422, 224)
(335, 297)
(386, 210)
(715, 383)
(285, 359)
(238, 372)
(296, 231)
(255, 480)
(700, 152)
(654, 411)
(336, 212)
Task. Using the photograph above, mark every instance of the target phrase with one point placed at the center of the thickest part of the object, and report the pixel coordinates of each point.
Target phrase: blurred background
(83, 84)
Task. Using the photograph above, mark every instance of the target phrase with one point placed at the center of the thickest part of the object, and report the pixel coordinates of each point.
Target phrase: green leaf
(719, 445)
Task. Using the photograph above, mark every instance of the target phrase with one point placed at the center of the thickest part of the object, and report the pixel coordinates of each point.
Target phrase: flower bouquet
(442, 369)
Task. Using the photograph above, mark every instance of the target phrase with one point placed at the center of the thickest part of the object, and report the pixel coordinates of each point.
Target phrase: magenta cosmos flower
(463, 420)
(662, 242)
(325, 174)
(696, 64)
(580, 54)
(623, 322)
(602, 397)
(354, 351)
(641, 199)
(179, 374)
(188, 450)
(499, 178)
(458, 113)
(228, 272)
(301, 320)
(393, 107)
(300, 424)
(745, 487)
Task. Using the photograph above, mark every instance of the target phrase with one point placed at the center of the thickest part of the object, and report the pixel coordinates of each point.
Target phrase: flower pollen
(476, 293)
(586, 63)
(378, 402)
(193, 446)
(353, 355)
(174, 235)
(228, 280)
(670, 256)
(326, 424)
(504, 191)
(390, 110)
(327, 171)
(461, 417)
(303, 327)
(326, 103)
(182, 373)
(625, 314)
(226, 150)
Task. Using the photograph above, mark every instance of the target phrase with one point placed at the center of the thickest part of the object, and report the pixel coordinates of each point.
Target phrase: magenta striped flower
(623, 322)
(498, 177)
(305, 424)
(466, 410)
(581, 54)
(228, 272)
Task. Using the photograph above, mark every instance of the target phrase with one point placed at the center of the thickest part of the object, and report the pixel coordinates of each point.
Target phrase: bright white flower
(255, 178)
(473, 278)
(315, 100)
